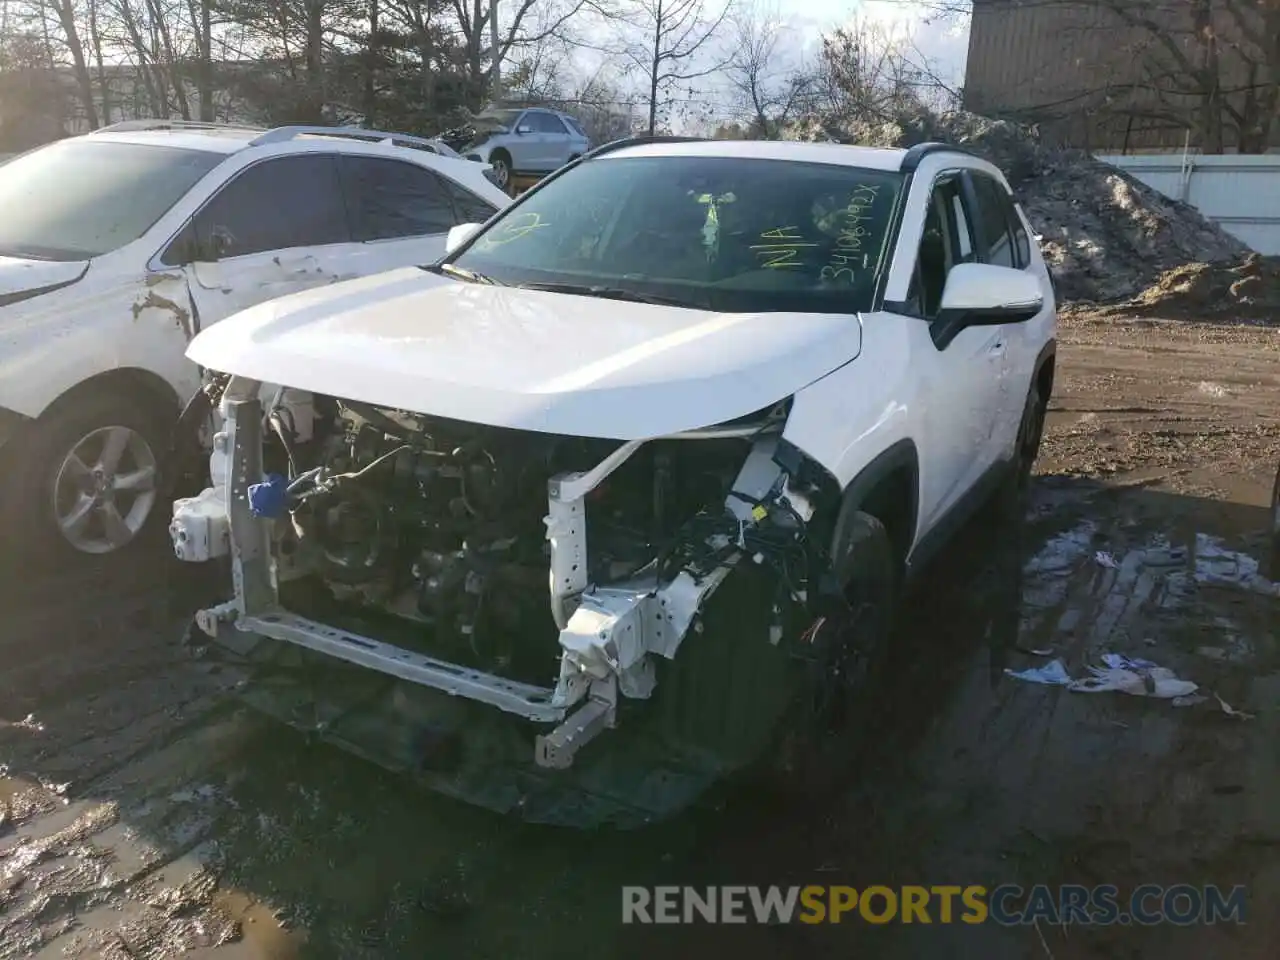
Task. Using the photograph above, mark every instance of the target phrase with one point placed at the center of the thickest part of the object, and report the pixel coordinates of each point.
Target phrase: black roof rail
(637, 141)
(915, 155)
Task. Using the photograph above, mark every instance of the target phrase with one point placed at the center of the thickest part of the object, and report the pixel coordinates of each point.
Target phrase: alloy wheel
(105, 489)
(502, 173)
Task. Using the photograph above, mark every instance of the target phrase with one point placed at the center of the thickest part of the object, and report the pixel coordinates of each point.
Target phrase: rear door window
(996, 218)
(544, 122)
(388, 199)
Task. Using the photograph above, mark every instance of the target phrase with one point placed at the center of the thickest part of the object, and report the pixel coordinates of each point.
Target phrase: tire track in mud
(138, 787)
(92, 862)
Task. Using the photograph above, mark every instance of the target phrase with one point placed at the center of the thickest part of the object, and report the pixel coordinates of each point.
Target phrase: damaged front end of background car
(520, 619)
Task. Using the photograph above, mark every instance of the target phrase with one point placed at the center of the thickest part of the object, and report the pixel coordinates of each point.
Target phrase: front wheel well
(887, 489)
(152, 390)
(892, 501)
(1044, 379)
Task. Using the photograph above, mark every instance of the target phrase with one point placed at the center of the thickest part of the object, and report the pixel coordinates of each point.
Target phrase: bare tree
(770, 87)
(95, 41)
(873, 72)
(414, 63)
(537, 74)
(492, 30)
(67, 16)
(201, 12)
(669, 42)
(1210, 68)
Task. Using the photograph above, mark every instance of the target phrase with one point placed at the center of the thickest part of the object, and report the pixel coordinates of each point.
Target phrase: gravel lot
(145, 814)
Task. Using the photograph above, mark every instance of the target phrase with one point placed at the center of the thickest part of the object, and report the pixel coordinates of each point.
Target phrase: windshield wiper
(608, 293)
(462, 273)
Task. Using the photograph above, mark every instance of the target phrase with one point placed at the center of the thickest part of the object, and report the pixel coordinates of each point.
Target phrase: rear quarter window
(388, 199)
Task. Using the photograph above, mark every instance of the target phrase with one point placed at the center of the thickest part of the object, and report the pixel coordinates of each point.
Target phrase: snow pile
(1105, 235)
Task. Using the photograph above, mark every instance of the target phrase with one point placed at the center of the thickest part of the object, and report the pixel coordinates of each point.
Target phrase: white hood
(527, 359)
(18, 275)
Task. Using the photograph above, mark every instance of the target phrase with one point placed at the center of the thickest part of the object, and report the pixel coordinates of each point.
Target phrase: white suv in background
(531, 142)
(118, 247)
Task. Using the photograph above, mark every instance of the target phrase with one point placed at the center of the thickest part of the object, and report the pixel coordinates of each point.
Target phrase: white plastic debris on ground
(1052, 673)
(1121, 674)
(1216, 565)
(1139, 678)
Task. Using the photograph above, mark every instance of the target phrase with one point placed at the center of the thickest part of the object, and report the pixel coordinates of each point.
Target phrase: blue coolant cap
(267, 499)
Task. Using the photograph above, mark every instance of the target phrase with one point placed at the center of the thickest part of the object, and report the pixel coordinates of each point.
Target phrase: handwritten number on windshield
(853, 233)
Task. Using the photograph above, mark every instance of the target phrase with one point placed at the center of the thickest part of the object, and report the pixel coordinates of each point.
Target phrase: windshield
(728, 234)
(497, 120)
(82, 198)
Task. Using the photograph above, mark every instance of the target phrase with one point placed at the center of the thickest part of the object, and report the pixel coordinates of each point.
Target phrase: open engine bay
(470, 559)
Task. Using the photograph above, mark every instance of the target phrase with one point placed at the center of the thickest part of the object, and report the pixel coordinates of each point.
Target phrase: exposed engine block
(470, 559)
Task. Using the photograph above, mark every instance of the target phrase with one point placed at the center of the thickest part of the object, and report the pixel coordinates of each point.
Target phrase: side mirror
(524, 128)
(984, 294)
(185, 248)
(459, 235)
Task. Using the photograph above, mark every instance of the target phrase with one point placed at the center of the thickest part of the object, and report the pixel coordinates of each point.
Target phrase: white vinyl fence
(1240, 192)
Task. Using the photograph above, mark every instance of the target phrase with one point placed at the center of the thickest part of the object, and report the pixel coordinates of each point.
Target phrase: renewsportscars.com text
(1007, 905)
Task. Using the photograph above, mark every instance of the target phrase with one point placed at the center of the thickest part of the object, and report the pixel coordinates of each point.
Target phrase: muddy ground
(144, 814)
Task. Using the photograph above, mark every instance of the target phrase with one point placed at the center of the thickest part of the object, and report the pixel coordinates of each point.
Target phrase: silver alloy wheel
(501, 173)
(105, 489)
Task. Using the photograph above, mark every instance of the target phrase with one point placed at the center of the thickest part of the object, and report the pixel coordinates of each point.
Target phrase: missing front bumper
(524, 700)
(609, 636)
(555, 749)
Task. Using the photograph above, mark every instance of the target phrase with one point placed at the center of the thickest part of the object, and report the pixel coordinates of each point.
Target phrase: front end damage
(525, 594)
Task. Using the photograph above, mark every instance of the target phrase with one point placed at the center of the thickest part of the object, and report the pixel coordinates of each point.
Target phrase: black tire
(1010, 501)
(33, 493)
(839, 660)
(501, 163)
(1275, 522)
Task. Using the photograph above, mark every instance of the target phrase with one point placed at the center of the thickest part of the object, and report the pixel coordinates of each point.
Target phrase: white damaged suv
(118, 246)
(507, 484)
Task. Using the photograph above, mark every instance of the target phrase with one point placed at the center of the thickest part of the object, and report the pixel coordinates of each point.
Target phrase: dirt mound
(1105, 235)
(1246, 290)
